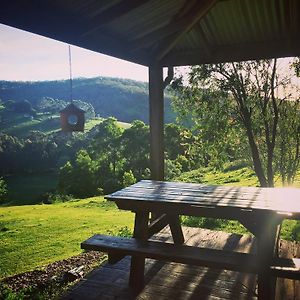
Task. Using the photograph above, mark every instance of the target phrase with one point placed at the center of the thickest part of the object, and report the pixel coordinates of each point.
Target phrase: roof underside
(167, 32)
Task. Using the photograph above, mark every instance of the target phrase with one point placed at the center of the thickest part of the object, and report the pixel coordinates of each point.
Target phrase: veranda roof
(165, 32)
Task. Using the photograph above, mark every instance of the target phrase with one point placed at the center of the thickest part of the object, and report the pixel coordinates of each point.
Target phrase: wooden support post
(137, 268)
(156, 118)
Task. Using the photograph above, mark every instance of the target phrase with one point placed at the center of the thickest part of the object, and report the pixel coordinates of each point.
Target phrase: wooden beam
(193, 17)
(239, 52)
(156, 107)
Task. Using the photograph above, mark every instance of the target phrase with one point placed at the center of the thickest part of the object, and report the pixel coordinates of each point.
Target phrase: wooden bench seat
(118, 247)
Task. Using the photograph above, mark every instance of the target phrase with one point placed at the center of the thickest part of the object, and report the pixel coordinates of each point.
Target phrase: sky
(29, 57)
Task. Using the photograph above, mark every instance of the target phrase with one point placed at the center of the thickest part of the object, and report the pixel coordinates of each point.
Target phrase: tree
(23, 107)
(10, 154)
(173, 141)
(136, 148)
(3, 189)
(105, 146)
(214, 136)
(288, 152)
(79, 179)
(253, 103)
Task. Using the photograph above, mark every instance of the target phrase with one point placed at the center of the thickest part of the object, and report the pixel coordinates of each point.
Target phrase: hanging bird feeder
(72, 117)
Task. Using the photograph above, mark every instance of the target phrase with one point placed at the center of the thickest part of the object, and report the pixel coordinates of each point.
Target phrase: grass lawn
(93, 122)
(34, 235)
(20, 126)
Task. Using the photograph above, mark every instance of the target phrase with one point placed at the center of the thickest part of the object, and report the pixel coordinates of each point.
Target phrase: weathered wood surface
(178, 281)
(159, 194)
(213, 258)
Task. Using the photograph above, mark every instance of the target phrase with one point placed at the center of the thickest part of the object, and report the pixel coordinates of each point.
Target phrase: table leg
(176, 229)
(137, 268)
(267, 249)
(266, 229)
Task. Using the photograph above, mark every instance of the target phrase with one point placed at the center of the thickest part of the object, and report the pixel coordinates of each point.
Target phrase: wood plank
(250, 193)
(213, 258)
(170, 252)
(277, 200)
(150, 201)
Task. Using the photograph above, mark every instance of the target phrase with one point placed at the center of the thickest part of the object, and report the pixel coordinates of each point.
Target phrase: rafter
(196, 13)
(114, 12)
(174, 25)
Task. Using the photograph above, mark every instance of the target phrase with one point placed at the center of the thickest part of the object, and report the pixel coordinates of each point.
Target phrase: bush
(3, 189)
(235, 165)
(128, 178)
(56, 197)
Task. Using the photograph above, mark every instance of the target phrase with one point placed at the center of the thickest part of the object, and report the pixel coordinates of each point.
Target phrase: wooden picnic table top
(282, 201)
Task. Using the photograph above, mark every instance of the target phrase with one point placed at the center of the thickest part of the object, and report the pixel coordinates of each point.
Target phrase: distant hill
(125, 99)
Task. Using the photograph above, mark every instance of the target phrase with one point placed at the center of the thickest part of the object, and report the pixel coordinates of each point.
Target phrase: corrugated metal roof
(144, 30)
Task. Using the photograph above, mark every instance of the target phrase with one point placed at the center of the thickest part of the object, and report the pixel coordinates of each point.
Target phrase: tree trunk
(254, 152)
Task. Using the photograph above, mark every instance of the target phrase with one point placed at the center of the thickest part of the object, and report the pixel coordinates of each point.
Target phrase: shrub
(128, 178)
(3, 189)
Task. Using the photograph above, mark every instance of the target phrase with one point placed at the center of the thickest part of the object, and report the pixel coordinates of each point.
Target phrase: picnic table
(158, 203)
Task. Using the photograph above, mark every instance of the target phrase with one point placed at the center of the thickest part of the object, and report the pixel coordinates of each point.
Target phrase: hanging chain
(71, 79)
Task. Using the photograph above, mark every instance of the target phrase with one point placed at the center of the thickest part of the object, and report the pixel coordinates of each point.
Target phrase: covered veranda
(168, 33)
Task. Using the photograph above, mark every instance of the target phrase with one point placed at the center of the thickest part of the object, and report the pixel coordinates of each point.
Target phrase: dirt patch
(58, 272)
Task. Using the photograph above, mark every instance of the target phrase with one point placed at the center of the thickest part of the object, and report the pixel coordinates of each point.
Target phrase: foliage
(121, 157)
(135, 147)
(172, 169)
(229, 102)
(79, 178)
(288, 150)
(128, 178)
(3, 189)
(26, 189)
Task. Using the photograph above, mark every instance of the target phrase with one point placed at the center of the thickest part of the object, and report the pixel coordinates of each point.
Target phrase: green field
(18, 125)
(34, 235)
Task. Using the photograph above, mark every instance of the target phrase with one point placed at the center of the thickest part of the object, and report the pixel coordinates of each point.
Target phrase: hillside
(125, 99)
